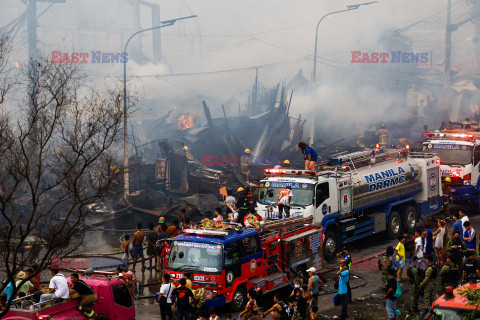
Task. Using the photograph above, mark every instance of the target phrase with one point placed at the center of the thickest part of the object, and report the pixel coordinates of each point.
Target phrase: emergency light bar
(452, 135)
(206, 232)
(284, 171)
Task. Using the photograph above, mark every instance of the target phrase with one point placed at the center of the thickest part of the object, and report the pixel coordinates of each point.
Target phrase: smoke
(212, 57)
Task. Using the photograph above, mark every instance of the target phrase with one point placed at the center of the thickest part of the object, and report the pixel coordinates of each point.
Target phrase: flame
(186, 120)
(17, 65)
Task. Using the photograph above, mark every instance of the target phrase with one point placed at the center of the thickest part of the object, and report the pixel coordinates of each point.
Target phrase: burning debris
(186, 120)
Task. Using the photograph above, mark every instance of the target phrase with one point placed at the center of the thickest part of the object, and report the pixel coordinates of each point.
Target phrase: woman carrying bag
(164, 298)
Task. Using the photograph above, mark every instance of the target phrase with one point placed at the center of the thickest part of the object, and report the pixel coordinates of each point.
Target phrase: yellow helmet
(240, 189)
(447, 179)
(185, 148)
(286, 162)
(247, 150)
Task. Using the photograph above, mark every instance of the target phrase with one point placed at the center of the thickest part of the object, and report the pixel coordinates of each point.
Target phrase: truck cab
(228, 262)
(453, 306)
(114, 302)
(356, 195)
(459, 154)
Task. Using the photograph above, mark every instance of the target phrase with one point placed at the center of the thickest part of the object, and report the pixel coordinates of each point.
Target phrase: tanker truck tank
(386, 177)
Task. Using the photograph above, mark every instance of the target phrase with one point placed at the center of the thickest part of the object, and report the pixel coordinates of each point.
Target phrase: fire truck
(459, 154)
(356, 195)
(453, 306)
(228, 262)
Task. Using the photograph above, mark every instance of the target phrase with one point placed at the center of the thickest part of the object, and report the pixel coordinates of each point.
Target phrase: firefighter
(385, 263)
(449, 274)
(246, 162)
(428, 283)
(383, 136)
(286, 164)
(447, 196)
(241, 204)
(187, 153)
(360, 136)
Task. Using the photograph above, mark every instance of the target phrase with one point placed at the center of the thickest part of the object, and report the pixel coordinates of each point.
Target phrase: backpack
(398, 292)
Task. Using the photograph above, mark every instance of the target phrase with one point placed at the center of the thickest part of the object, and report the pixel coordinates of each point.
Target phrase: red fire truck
(228, 262)
(453, 305)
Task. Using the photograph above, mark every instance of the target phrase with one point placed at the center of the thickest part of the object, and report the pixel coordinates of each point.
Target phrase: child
(251, 305)
(297, 284)
(400, 251)
(469, 236)
(124, 247)
(213, 314)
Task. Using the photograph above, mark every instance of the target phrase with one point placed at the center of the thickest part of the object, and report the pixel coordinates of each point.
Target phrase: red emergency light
(283, 171)
(437, 160)
(452, 135)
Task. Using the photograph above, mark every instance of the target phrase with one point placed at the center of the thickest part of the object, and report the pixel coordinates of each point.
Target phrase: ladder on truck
(353, 161)
(274, 228)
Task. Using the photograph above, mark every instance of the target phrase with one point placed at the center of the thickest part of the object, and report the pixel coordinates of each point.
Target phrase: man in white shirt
(58, 287)
(230, 201)
(464, 218)
(166, 291)
(233, 217)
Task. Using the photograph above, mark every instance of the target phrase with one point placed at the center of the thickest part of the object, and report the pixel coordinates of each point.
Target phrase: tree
(56, 151)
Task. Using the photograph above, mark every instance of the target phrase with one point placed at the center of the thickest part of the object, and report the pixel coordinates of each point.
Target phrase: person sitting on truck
(58, 287)
(27, 287)
(457, 247)
(280, 310)
(470, 270)
(284, 199)
(309, 154)
(88, 296)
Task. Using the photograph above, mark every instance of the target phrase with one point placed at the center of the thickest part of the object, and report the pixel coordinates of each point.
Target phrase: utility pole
(476, 22)
(448, 41)
(255, 93)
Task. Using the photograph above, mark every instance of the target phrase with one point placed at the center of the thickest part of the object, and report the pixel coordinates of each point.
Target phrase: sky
(213, 55)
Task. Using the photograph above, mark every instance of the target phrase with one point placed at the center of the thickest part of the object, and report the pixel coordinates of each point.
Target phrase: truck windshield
(302, 193)
(455, 314)
(196, 257)
(451, 154)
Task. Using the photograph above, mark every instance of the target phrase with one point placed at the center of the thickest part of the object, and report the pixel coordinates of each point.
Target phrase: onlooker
(400, 251)
(280, 310)
(284, 198)
(464, 218)
(419, 247)
(174, 230)
(183, 216)
(162, 235)
(458, 224)
(187, 276)
(470, 270)
(152, 237)
(33, 280)
(27, 287)
(137, 250)
(218, 215)
(187, 224)
(161, 223)
(297, 284)
(37, 276)
(313, 283)
(230, 201)
(183, 296)
(248, 312)
(58, 287)
(87, 294)
(409, 245)
(390, 300)
(428, 283)
(165, 297)
(456, 247)
(314, 315)
(124, 247)
(428, 241)
(469, 236)
(234, 215)
(300, 310)
(8, 290)
(344, 276)
(213, 315)
(439, 235)
(165, 254)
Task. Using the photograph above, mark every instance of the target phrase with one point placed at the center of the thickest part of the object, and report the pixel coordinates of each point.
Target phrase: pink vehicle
(114, 302)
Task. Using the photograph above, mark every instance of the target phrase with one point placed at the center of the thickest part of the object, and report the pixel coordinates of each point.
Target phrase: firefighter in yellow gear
(383, 136)
(360, 136)
(187, 153)
(286, 164)
(447, 196)
(246, 162)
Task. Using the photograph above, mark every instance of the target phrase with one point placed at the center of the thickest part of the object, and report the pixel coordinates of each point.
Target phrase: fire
(17, 65)
(186, 120)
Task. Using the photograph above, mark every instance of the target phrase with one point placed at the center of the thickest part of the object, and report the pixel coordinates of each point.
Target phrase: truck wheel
(409, 218)
(239, 300)
(394, 225)
(331, 245)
